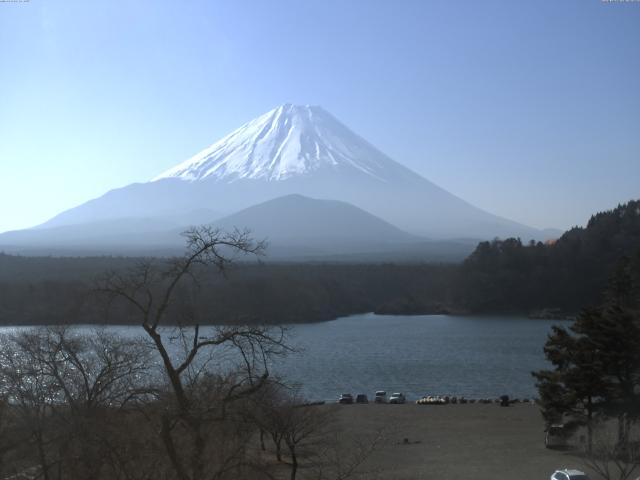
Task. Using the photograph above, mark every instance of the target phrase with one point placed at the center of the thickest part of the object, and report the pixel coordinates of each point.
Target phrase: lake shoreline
(457, 313)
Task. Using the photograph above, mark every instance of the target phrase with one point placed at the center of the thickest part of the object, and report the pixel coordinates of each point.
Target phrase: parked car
(381, 397)
(345, 398)
(556, 436)
(397, 398)
(569, 475)
(361, 398)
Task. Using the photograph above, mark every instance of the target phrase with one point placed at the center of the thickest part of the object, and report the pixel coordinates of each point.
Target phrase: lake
(473, 356)
(436, 354)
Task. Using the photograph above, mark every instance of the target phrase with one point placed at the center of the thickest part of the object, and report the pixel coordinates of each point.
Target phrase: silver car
(569, 475)
(397, 398)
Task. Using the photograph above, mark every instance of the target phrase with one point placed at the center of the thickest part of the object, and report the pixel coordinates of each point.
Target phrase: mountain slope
(295, 220)
(299, 150)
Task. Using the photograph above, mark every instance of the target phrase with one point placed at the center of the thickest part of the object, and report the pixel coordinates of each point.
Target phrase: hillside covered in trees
(570, 273)
(59, 290)
(500, 276)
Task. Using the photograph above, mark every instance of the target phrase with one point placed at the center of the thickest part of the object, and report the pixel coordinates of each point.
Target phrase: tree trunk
(628, 425)
(262, 446)
(589, 425)
(197, 456)
(42, 456)
(174, 376)
(167, 439)
(623, 435)
(294, 462)
(277, 441)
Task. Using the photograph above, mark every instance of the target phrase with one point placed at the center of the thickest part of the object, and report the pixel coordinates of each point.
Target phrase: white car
(569, 475)
(397, 398)
(381, 397)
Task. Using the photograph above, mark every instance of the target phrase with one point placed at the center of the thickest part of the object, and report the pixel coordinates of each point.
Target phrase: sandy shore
(456, 441)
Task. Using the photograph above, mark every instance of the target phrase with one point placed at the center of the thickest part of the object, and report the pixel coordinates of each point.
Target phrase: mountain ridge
(296, 228)
(299, 150)
(297, 216)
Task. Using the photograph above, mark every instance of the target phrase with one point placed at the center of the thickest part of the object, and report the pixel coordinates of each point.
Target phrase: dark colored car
(345, 398)
(361, 398)
(556, 436)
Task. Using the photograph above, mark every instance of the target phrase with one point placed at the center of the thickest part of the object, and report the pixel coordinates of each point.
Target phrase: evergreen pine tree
(597, 362)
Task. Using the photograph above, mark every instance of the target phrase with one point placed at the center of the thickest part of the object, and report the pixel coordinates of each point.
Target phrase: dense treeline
(60, 291)
(500, 276)
(568, 274)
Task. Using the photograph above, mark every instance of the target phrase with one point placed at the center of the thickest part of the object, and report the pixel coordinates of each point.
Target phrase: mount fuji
(291, 150)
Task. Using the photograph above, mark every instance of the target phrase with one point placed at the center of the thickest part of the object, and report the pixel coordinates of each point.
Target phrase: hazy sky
(528, 109)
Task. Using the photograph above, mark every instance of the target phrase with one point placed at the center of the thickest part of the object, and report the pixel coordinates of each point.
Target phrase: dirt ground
(456, 442)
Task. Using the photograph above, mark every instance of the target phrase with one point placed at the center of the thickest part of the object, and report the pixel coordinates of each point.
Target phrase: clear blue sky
(529, 109)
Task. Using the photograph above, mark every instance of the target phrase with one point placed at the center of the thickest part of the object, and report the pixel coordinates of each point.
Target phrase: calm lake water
(436, 354)
(474, 356)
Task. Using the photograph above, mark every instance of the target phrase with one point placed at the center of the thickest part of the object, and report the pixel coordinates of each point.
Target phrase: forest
(500, 276)
(568, 274)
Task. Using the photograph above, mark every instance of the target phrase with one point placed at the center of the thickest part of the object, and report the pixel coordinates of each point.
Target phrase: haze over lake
(471, 356)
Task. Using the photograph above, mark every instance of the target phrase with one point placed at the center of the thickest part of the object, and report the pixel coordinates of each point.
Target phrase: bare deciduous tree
(611, 459)
(160, 297)
(185, 402)
(308, 436)
(63, 387)
(334, 462)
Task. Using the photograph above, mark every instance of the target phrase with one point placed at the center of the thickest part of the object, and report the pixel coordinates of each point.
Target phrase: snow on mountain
(287, 141)
(298, 150)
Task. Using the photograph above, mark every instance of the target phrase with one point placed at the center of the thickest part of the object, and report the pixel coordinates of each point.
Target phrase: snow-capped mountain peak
(295, 150)
(288, 141)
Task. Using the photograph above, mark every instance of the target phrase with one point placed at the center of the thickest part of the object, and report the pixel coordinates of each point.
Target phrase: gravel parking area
(456, 441)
